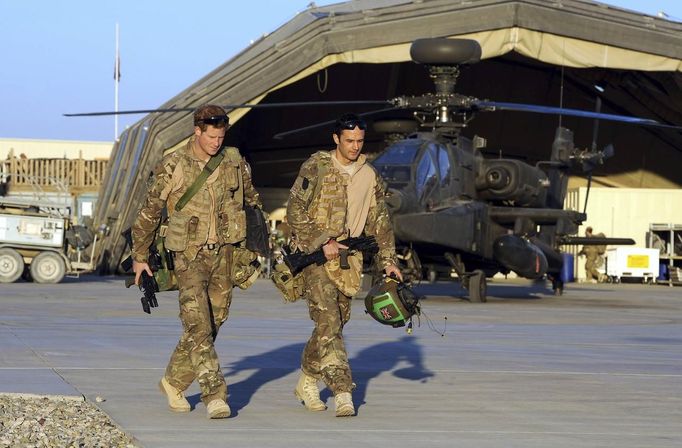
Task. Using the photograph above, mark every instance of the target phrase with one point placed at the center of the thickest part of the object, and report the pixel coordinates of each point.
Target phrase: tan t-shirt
(360, 193)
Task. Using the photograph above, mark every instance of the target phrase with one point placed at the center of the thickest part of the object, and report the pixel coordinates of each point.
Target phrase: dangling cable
(322, 87)
(432, 326)
(561, 94)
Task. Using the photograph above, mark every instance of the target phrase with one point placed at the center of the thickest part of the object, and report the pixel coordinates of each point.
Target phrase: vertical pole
(117, 76)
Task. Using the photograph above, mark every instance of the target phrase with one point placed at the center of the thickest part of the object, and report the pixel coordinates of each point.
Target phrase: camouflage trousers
(207, 281)
(324, 356)
(591, 265)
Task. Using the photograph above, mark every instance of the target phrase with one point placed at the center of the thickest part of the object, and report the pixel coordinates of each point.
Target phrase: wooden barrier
(77, 175)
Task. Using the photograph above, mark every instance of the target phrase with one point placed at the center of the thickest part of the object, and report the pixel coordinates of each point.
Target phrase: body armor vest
(190, 226)
(329, 207)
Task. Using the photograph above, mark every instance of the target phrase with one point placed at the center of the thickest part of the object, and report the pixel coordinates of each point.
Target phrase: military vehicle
(39, 242)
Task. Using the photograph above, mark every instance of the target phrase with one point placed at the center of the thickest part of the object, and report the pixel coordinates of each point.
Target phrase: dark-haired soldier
(336, 195)
(203, 233)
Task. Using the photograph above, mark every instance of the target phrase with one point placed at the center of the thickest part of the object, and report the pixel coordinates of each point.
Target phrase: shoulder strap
(321, 172)
(209, 168)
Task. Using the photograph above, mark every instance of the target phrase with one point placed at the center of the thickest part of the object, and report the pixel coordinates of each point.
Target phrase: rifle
(298, 260)
(149, 288)
(148, 284)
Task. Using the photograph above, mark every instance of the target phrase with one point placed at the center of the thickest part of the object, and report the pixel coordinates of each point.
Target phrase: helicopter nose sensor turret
(401, 201)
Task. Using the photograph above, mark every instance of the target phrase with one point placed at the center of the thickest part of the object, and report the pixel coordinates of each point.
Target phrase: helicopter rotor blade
(128, 112)
(494, 105)
(281, 135)
(238, 106)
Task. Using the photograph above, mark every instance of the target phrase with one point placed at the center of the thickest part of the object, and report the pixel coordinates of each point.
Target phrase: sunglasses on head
(215, 120)
(352, 124)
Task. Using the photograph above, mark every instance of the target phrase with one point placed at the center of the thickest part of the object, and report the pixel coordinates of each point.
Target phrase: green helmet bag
(392, 302)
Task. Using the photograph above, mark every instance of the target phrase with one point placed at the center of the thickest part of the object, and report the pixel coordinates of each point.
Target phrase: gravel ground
(32, 421)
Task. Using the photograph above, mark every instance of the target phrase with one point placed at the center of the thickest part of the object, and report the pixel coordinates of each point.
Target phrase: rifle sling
(209, 168)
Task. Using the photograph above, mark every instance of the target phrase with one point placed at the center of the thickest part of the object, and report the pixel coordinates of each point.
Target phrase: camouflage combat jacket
(594, 251)
(214, 212)
(314, 220)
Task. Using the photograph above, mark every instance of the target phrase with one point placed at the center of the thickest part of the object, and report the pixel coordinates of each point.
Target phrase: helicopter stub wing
(467, 229)
(595, 241)
(454, 228)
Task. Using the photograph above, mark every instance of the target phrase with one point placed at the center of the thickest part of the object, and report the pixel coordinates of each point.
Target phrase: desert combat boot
(176, 400)
(218, 409)
(307, 392)
(344, 404)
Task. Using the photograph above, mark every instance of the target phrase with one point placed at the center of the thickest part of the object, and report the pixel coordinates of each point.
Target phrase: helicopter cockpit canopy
(395, 163)
(420, 168)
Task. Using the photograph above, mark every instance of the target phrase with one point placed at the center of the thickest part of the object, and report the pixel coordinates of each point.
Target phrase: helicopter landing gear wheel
(477, 287)
(432, 276)
(48, 267)
(11, 265)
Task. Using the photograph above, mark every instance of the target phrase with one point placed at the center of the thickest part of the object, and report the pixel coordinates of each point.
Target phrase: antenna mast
(117, 77)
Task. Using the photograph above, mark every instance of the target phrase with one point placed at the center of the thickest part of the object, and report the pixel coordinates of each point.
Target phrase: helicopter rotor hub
(444, 78)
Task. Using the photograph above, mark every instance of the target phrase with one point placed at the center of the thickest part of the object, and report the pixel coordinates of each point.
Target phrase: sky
(58, 57)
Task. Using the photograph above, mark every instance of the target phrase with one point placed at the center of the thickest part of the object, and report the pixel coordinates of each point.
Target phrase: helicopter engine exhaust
(520, 256)
(511, 180)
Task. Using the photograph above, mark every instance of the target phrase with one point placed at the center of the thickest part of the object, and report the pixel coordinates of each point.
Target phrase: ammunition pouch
(346, 278)
(245, 267)
(291, 286)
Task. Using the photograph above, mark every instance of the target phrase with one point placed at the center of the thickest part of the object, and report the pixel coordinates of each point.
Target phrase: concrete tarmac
(600, 366)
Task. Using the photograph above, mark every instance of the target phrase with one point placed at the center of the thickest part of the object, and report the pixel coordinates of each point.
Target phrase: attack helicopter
(452, 206)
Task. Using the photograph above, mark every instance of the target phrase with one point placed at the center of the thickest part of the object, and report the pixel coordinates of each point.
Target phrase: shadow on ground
(366, 365)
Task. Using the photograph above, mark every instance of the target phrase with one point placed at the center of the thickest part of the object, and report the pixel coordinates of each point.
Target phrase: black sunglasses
(352, 124)
(215, 120)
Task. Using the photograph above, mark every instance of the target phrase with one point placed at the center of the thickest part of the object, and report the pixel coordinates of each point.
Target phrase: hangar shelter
(553, 53)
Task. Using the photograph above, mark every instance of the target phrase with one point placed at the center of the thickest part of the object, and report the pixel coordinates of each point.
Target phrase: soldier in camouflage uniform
(336, 195)
(593, 258)
(203, 235)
